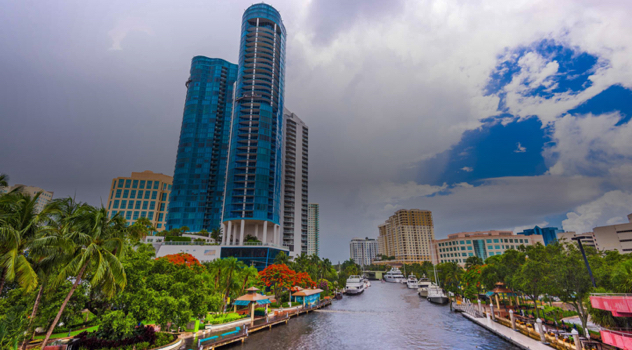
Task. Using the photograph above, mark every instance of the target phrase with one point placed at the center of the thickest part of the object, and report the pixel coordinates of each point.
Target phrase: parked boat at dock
(394, 276)
(412, 281)
(355, 285)
(422, 286)
(436, 295)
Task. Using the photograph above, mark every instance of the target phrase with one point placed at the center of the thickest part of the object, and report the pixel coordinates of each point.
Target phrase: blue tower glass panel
(199, 176)
(253, 189)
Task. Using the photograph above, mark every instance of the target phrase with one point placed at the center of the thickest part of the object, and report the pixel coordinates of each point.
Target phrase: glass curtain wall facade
(199, 176)
(253, 178)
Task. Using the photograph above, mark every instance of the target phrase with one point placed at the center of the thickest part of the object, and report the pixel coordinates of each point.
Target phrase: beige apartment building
(143, 194)
(615, 237)
(44, 198)
(460, 246)
(587, 238)
(407, 235)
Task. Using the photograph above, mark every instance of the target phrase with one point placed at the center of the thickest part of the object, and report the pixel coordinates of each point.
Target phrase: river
(385, 316)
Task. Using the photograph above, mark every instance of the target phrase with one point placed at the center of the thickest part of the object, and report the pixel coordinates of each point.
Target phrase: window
(140, 194)
(143, 214)
(128, 183)
(156, 184)
(109, 205)
(470, 254)
(116, 204)
(138, 203)
(145, 204)
(152, 205)
(120, 183)
(497, 247)
(469, 242)
(146, 194)
(142, 184)
(132, 194)
(511, 240)
(113, 213)
(150, 215)
(489, 241)
(126, 194)
(160, 216)
(159, 226)
(462, 242)
(123, 204)
(135, 184)
(469, 248)
(462, 248)
(128, 215)
(463, 254)
(136, 215)
(154, 194)
(162, 206)
(118, 193)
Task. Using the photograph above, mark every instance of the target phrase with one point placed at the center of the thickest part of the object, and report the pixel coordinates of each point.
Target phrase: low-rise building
(460, 246)
(363, 251)
(587, 238)
(615, 237)
(141, 195)
(44, 198)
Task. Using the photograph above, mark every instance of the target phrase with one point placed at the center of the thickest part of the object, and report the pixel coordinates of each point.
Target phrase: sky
(492, 114)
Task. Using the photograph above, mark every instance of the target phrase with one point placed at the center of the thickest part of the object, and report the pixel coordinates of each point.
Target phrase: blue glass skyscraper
(252, 198)
(199, 177)
(549, 234)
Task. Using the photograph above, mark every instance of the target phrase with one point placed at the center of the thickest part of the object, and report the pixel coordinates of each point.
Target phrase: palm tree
(230, 264)
(20, 224)
(140, 229)
(98, 244)
(4, 180)
(51, 249)
(282, 259)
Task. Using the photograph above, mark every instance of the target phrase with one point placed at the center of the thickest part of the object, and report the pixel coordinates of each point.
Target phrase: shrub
(177, 239)
(116, 325)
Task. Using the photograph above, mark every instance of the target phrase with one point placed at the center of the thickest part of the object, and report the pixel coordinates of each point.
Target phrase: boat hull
(353, 291)
(392, 279)
(423, 292)
(412, 286)
(438, 300)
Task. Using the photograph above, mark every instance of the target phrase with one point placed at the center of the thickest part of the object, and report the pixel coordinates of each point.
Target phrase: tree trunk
(63, 305)
(35, 307)
(2, 280)
(244, 286)
(227, 289)
(219, 273)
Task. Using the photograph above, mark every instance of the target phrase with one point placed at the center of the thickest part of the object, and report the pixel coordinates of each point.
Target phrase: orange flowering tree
(277, 277)
(182, 258)
(303, 280)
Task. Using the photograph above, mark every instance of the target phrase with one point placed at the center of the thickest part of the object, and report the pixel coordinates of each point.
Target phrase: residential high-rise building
(44, 198)
(142, 195)
(200, 172)
(295, 183)
(615, 237)
(252, 199)
(407, 236)
(363, 251)
(460, 246)
(313, 229)
(549, 234)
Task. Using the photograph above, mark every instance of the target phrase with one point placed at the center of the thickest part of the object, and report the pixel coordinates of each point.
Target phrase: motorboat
(412, 281)
(436, 295)
(422, 286)
(394, 276)
(367, 283)
(355, 284)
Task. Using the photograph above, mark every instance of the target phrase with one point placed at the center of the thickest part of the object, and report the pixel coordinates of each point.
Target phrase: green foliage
(12, 324)
(116, 325)
(177, 239)
(224, 318)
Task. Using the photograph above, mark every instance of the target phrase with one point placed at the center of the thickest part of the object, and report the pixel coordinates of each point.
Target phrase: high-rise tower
(199, 177)
(252, 199)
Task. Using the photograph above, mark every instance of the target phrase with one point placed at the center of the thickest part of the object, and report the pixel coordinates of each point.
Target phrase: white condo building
(295, 184)
(313, 228)
(363, 251)
(42, 200)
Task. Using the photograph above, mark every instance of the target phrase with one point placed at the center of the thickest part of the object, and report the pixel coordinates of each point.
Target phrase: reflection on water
(386, 316)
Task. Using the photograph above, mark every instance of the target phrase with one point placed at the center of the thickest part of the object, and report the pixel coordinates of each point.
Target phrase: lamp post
(581, 249)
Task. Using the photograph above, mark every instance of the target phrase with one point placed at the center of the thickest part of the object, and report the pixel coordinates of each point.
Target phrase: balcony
(619, 304)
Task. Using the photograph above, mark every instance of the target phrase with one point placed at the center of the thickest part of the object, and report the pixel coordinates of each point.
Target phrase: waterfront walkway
(508, 334)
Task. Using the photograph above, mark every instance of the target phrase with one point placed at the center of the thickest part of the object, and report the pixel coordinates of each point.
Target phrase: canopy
(500, 288)
(307, 292)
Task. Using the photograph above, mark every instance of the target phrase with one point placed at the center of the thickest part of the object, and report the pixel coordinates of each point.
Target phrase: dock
(211, 341)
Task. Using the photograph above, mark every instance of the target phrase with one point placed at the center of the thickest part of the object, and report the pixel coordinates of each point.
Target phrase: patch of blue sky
(494, 150)
(613, 99)
(572, 76)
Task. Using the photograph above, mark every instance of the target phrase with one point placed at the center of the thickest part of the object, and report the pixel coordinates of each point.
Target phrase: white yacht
(412, 281)
(367, 283)
(436, 295)
(422, 286)
(394, 276)
(355, 285)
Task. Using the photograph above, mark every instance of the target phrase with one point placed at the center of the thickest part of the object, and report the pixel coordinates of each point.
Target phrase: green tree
(116, 325)
(282, 259)
(534, 276)
(473, 261)
(98, 246)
